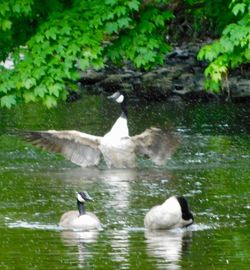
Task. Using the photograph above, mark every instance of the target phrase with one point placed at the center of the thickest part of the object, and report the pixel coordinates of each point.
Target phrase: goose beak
(88, 198)
(114, 96)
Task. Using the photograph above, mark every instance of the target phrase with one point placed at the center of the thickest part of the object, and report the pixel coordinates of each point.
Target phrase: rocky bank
(182, 75)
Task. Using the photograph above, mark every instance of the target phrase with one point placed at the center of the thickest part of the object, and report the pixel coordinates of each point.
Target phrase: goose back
(167, 216)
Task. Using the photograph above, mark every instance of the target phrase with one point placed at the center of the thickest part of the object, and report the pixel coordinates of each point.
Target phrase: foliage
(52, 41)
(231, 50)
(59, 38)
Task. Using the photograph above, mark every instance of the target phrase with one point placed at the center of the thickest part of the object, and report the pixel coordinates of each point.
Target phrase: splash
(30, 225)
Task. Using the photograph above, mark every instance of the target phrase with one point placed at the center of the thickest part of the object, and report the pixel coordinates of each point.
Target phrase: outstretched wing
(81, 148)
(156, 144)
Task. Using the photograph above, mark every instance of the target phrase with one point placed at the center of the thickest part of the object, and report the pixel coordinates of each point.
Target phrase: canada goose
(117, 148)
(80, 220)
(173, 213)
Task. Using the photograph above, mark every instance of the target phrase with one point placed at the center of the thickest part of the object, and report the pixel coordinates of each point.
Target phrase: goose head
(82, 197)
(118, 97)
(121, 98)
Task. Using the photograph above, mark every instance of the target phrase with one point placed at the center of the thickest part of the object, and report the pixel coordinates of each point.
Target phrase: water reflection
(73, 238)
(79, 174)
(168, 245)
(80, 240)
(119, 186)
(119, 240)
(116, 181)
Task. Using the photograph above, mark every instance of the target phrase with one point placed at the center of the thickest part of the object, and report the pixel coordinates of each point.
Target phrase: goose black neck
(81, 208)
(124, 109)
(186, 214)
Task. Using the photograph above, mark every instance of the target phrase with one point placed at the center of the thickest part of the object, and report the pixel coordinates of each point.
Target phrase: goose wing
(156, 144)
(81, 148)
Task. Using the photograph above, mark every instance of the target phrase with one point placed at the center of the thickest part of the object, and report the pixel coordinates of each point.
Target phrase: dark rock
(182, 75)
(91, 77)
(239, 87)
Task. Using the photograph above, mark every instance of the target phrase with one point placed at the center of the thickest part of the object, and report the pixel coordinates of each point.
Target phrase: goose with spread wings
(117, 148)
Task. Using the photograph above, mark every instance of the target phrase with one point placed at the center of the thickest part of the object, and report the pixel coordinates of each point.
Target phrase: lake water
(211, 168)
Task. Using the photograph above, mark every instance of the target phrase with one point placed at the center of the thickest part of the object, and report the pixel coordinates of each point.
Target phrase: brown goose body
(73, 221)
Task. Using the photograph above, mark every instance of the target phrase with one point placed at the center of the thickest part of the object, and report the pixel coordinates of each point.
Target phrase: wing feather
(81, 148)
(156, 144)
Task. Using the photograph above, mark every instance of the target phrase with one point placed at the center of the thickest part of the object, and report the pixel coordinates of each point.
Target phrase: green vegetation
(51, 41)
(233, 47)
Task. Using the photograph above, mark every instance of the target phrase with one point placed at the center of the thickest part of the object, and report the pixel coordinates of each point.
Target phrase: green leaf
(123, 22)
(98, 64)
(8, 101)
(84, 63)
(147, 27)
(159, 20)
(227, 44)
(247, 54)
(29, 83)
(66, 30)
(29, 96)
(52, 33)
(55, 89)
(49, 101)
(120, 10)
(16, 8)
(73, 49)
(168, 15)
(4, 8)
(214, 86)
(111, 2)
(39, 38)
(239, 8)
(5, 25)
(40, 90)
(111, 27)
(134, 5)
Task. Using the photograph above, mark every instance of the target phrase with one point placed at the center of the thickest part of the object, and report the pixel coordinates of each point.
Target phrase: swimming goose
(80, 220)
(117, 148)
(173, 213)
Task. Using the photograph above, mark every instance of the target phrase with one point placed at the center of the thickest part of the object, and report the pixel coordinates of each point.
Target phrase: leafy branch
(74, 37)
(231, 50)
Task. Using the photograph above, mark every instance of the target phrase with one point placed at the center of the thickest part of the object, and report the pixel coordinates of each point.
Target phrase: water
(211, 168)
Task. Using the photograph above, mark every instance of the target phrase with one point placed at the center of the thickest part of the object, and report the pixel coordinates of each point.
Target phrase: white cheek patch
(80, 198)
(120, 99)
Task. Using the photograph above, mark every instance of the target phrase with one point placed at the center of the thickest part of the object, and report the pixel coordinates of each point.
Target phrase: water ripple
(30, 225)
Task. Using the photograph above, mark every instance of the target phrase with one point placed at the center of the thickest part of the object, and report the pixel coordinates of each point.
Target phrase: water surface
(211, 168)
